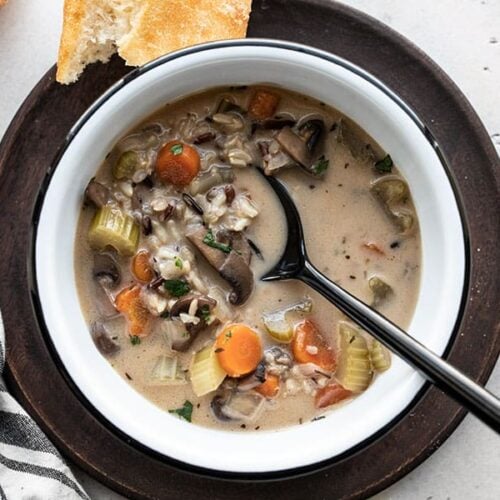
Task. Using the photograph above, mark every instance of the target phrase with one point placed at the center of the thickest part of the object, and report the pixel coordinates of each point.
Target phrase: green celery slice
(112, 227)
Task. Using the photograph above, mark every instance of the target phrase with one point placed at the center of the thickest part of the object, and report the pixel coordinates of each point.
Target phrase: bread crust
(163, 26)
(74, 16)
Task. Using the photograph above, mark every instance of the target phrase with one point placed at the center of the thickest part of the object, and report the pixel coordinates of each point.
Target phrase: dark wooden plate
(34, 374)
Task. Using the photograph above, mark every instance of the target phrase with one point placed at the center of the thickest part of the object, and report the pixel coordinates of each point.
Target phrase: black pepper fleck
(347, 257)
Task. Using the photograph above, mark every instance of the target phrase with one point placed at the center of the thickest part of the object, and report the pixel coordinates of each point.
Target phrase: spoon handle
(475, 398)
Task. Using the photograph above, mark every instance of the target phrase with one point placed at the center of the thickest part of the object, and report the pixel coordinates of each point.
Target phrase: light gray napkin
(30, 467)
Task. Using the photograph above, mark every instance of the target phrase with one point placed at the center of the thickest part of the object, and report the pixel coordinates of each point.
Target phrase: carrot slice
(263, 104)
(330, 395)
(270, 387)
(177, 164)
(374, 248)
(309, 346)
(239, 349)
(141, 267)
(129, 303)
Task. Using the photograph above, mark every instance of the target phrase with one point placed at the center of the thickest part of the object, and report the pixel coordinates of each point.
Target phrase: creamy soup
(178, 225)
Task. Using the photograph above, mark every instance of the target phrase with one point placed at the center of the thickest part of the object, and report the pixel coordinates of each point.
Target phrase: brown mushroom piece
(253, 380)
(98, 194)
(106, 270)
(102, 339)
(307, 146)
(204, 308)
(234, 267)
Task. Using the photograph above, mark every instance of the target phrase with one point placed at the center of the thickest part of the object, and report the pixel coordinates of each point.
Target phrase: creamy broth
(351, 236)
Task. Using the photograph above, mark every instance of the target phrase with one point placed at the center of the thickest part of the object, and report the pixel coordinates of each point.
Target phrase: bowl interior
(327, 79)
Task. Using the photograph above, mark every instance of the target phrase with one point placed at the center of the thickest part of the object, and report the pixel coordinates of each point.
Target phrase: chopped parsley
(135, 340)
(178, 263)
(321, 166)
(177, 288)
(209, 240)
(205, 313)
(177, 149)
(165, 314)
(228, 335)
(185, 412)
(385, 165)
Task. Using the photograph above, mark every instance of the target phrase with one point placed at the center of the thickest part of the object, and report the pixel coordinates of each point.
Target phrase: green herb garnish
(228, 335)
(177, 149)
(209, 240)
(135, 340)
(385, 165)
(165, 314)
(178, 263)
(177, 288)
(185, 412)
(321, 166)
(205, 313)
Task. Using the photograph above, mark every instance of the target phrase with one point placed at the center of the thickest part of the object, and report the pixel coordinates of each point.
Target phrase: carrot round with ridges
(177, 164)
(239, 349)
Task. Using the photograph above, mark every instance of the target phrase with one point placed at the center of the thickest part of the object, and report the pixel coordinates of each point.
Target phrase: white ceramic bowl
(308, 71)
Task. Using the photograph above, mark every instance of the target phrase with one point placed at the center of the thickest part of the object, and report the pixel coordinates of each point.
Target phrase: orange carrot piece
(263, 104)
(309, 346)
(141, 267)
(238, 349)
(374, 248)
(177, 164)
(330, 395)
(129, 303)
(270, 387)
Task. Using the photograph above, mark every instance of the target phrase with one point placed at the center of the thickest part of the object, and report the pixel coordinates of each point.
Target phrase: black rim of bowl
(32, 274)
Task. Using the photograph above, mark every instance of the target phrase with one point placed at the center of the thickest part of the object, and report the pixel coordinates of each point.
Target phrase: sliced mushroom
(232, 266)
(313, 133)
(106, 270)
(254, 379)
(214, 256)
(102, 339)
(294, 146)
(98, 194)
(239, 275)
(244, 406)
(204, 307)
(307, 147)
(216, 406)
(177, 335)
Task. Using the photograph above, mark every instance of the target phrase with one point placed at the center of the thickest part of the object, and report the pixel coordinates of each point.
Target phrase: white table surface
(463, 36)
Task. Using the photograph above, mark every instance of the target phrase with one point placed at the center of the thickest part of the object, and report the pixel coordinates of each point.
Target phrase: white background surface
(463, 36)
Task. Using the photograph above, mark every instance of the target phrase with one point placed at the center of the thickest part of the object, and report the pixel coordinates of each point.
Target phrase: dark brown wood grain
(27, 152)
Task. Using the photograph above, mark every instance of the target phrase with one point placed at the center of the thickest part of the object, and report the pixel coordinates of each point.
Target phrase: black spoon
(295, 264)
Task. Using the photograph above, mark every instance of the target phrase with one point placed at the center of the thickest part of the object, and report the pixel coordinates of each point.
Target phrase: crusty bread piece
(141, 30)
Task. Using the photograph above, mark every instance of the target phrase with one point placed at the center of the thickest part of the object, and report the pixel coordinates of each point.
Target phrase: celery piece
(354, 370)
(166, 371)
(126, 165)
(380, 356)
(206, 372)
(276, 323)
(112, 227)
